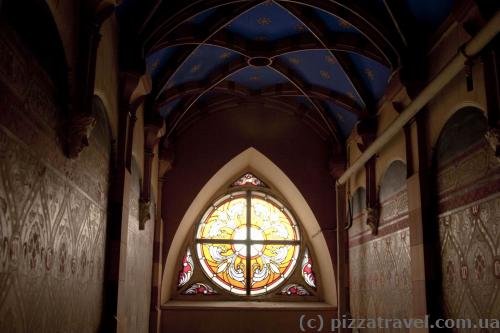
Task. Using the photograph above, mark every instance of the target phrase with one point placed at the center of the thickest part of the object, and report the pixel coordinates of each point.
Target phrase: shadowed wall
(52, 210)
(468, 185)
(379, 266)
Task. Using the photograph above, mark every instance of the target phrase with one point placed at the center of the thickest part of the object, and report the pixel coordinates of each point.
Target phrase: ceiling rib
(341, 41)
(363, 21)
(320, 31)
(215, 27)
(280, 90)
(375, 45)
(216, 77)
(218, 104)
(288, 73)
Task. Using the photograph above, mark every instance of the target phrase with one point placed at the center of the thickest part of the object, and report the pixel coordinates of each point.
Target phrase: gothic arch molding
(36, 25)
(254, 160)
(456, 107)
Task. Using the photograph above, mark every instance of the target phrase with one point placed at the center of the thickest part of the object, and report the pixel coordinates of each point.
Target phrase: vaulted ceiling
(328, 61)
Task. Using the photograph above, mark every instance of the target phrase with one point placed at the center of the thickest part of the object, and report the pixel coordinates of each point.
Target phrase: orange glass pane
(225, 265)
(227, 221)
(272, 221)
(271, 265)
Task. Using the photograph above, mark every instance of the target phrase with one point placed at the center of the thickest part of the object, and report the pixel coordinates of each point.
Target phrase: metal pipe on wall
(472, 48)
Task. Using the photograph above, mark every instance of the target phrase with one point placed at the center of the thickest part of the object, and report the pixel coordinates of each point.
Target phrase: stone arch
(393, 179)
(106, 105)
(448, 115)
(358, 201)
(467, 183)
(254, 160)
(465, 127)
(35, 25)
(102, 130)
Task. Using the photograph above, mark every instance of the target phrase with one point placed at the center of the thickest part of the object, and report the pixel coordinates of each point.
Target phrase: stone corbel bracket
(153, 124)
(372, 218)
(492, 136)
(367, 130)
(81, 119)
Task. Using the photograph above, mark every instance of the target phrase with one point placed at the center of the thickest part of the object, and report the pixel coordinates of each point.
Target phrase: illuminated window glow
(248, 243)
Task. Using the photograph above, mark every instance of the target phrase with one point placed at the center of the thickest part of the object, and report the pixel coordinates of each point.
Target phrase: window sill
(250, 305)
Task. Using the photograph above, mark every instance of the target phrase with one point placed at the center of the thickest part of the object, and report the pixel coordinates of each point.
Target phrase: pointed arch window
(247, 243)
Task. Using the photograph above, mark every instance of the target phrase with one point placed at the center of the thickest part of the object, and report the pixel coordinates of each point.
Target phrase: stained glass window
(307, 270)
(249, 179)
(186, 270)
(248, 243)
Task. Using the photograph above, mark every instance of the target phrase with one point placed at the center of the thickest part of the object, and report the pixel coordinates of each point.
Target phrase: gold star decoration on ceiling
(339, 117)
(325, 74)
(155, 64)
(344, 23)
(351, 95)
(294, 60)
(369, 73)
(254, 78)
(300, 27)
(196, 68)
(225, 55)
(331, 60)
(264, 21)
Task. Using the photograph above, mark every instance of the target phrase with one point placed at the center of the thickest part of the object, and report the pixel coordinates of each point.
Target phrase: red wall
(206, 146)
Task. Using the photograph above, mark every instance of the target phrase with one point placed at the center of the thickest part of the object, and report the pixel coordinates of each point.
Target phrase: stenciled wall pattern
(139, 262)
(468, 182)
(52, 210)
(379, 266)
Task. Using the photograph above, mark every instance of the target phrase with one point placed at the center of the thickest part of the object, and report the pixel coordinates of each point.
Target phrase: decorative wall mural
(52, 211)
(380, 283)
(468, 182)
(379, 266)
(139, 262)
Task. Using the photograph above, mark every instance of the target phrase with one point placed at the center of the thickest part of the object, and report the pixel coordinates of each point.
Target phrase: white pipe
(473, 47)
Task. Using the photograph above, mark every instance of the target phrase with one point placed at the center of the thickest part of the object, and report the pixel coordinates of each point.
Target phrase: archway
(467, 196)
(251, 159)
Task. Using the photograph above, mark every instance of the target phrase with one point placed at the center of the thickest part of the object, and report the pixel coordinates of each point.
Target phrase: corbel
(153, 124)
(367, 131)
(132, 97)
(491, 60)
(81, 119)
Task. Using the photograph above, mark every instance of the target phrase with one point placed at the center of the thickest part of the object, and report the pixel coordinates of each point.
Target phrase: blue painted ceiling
(334, 23)
(321, 68)
(257, 77)
(267, 24)
(374, 75)
(201, 63)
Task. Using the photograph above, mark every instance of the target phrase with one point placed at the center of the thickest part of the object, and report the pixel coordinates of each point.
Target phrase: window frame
(295, 276)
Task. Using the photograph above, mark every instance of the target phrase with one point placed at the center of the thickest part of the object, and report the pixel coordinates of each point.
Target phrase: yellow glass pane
(225, 265)
(271, 265)
(271, 221)
(227, 221)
